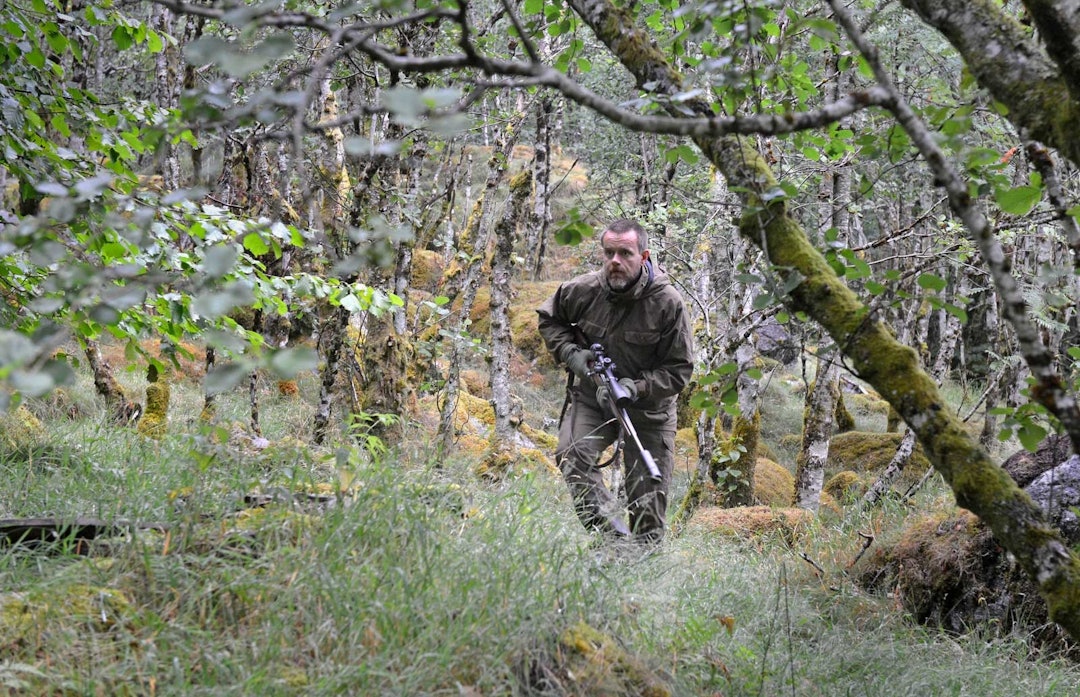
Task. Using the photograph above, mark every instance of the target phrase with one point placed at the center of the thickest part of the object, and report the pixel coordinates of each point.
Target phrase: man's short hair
(624, 225)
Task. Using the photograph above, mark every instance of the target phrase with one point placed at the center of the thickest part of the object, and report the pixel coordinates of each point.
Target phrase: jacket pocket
(641, 337)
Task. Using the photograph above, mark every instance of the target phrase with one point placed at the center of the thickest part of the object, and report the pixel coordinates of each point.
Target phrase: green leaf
(1030, 435)
(219, 260)
(122, 37)
(1019, 200)
(957, 311)
(929, 281)
(701, 400)
(225, 376)
(288, 363)
(254, 243)
(534, 7)
(573, 233)
(31, 383)
(218, 304)
(154, 42)
(763, 300)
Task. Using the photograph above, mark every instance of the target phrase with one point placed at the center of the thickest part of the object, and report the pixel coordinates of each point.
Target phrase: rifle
(618, 399)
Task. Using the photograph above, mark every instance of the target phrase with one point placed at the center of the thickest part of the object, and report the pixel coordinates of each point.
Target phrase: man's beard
(622, 282)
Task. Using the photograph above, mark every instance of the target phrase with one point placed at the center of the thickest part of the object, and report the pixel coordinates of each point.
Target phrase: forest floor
(224, 565)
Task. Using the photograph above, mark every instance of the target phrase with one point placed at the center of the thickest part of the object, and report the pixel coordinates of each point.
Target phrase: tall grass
(416, 580)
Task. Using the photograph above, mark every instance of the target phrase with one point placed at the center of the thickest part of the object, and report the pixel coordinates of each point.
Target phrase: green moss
(521, 184)
(774, 485)
(845, 486)
(26, 617)
(739, 488)
(20, 428)
(892, 421)
(842, 417)
(154, 421)
(601, 666)
(860, 451)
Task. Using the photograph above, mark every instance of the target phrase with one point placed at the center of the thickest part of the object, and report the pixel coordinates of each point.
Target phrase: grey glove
(579, 360)
(626, 383)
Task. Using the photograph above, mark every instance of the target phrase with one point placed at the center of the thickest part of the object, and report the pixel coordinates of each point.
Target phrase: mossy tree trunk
(947, 348)
(979, 484)
(745, 431)
(507, 415)
(122, 407)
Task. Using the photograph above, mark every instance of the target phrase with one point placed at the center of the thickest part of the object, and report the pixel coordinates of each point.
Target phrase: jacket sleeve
(676, 365)
(556, 327)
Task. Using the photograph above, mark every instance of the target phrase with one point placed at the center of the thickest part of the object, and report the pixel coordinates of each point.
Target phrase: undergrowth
(300, 571)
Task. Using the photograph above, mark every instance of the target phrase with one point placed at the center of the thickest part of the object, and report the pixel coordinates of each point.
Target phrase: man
(631, 309)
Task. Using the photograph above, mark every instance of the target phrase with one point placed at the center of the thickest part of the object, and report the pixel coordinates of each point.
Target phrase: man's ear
(645, 255)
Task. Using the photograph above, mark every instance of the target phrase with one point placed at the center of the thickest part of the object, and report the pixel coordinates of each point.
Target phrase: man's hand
(602, 392)
(579, 361)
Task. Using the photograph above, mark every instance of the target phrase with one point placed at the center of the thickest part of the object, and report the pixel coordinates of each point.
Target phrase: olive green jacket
(645, 330)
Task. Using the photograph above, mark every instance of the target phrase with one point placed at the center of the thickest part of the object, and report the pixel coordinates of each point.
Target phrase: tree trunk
(821, 402)
(938, 372)
(122, 408)
(474, 240)
(507, 416)
(540, 217)
(331, 340)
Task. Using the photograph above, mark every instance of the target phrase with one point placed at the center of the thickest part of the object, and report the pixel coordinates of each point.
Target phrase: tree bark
(474, 243)
(502, 397)
(817, 430)
(123, 409)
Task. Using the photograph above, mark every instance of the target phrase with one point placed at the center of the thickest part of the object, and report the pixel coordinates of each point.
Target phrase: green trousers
(586, 431)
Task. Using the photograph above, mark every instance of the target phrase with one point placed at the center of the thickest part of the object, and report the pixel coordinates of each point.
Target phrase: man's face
(622, 260)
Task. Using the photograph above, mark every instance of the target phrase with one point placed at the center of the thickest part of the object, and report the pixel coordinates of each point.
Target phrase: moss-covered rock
(845, 487)
(26, 618)
(892, 421)
(594, 664)
(753, 521)
(774, 485)
(948, 571)
(427, 270)
(686, 448)
(524, 326)
(863, 452)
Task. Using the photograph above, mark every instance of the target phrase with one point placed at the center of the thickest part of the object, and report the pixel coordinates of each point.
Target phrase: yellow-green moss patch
(753, 521)
(597, 664)
(20, 428)
(845, 487)
(774, 485)
(860, 452)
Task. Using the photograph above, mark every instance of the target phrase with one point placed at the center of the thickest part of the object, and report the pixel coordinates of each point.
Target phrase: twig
(868, 539)
(819, 572)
